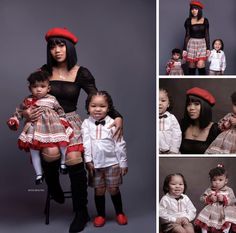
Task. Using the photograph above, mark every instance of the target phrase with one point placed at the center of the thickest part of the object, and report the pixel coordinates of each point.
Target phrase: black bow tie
(178, 198)
(218, 51)
(100, 122)
(163, 116)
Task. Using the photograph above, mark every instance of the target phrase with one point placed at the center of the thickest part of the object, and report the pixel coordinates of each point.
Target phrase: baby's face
(176, 186)
(164, 102)
(176, 56)
(217, 45)
(219, 182)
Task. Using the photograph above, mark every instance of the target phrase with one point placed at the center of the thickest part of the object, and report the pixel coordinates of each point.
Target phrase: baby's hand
(184, 221)
(233, 120)
(13, 123)
(213, 198)
(178, 220)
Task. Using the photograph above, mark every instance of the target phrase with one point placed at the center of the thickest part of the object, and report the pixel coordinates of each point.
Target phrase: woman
(66, 80)
(198, 130)
(197, 42)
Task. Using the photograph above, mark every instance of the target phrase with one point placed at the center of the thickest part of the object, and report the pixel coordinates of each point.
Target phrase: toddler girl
(169, 129)
(225, 141)
(217, 58)
(104, 156)
(50, 130)
(176, 209)
(219, 211)
(174, 65)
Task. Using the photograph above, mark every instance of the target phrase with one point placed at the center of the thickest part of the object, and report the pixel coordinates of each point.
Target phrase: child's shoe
(39, 179)
(121, 219)
(99, 221)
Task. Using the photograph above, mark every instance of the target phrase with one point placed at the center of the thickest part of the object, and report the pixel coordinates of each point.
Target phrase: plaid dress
(51, 129)
(174, 67)
(225, 143)
(217, 215)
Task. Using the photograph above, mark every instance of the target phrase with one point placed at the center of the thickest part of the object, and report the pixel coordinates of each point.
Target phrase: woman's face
(194, 12)
(194, 109)
(176, 186)
(58, 52)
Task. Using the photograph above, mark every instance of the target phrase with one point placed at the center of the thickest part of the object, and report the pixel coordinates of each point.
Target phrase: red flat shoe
(121, 219)
(99, 221)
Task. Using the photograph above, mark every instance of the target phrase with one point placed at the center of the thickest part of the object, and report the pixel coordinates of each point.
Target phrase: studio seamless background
(221, 16)
(117, 44)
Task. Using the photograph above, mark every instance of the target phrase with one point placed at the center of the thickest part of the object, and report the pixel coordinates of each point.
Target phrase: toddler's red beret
(196, 3)
(61, 32)
(203, 94)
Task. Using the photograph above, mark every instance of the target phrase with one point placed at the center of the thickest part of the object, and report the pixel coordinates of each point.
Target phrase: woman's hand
(208, 53)
(124, 171)
(32, 113)
(184, 54)
(118, 123)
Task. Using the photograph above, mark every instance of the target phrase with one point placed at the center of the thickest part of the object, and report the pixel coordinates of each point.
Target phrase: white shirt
(100, 146)
(217, 60)
(170, 135)
(170, 209)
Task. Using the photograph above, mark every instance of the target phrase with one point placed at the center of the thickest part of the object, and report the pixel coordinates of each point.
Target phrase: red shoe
(121, 219)
(99, 221)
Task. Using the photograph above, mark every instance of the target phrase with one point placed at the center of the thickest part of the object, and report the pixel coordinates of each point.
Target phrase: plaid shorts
(106, 177)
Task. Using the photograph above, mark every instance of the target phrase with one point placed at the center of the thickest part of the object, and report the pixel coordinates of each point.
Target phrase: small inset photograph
(197, 195)
(196, 37)
(197, 116)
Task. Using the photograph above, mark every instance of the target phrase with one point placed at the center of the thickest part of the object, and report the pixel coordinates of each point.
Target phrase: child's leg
(100, 201)
(227, 229)
(63, 168)
(36, 161)
(116, 200)
(189, 228)
(178, 229)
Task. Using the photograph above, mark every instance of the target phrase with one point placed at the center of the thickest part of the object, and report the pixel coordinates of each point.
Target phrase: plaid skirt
(196, 50)
(224, 143)
(47, 131)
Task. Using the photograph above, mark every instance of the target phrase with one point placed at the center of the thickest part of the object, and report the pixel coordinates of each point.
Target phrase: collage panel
(196, 37)
(197, 194)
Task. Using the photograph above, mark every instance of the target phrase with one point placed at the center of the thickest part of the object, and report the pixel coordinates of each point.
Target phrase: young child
(104, 156)
(170, 135)
(217, 58)
(176, 209)
(225, 141)
(50, 130)
(219, 211)
(174, 65)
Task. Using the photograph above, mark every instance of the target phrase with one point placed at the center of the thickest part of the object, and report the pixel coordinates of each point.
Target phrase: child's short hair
(233, 98)
(38, 76)
(217, 171)
(101, 93)
(168, 179)
(221, 41)
(169, 97)
(176, 51)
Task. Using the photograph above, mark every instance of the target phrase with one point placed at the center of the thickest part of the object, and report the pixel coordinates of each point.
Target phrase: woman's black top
(67, 93)
(190, 146)
(198, 31)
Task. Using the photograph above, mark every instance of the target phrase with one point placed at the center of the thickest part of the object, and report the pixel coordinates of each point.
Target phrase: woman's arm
(207, 36)
(187, 25)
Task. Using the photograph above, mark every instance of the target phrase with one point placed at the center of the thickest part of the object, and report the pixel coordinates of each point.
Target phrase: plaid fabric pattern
(106, 177)
(196, 50)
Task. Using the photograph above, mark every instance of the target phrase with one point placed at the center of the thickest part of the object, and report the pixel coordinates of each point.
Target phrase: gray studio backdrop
(221, 16)
(117, 44)
(221, 88)
(195, 171)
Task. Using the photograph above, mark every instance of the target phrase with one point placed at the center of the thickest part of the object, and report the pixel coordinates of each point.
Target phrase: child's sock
(36, 161)
(100, 205)
(117, 202)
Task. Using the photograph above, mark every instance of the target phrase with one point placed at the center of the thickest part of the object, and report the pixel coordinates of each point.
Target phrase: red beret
(61, 32)
(196, 3)
(203, 94)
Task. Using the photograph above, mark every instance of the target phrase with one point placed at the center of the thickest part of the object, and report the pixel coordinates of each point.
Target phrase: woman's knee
(191, 65)
(201, 64)
(73, 158)
(50, 154)
(100, 191)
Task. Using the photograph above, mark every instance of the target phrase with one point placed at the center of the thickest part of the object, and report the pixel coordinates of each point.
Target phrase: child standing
(217, 58)
(104, 156)
(169, 129)
(225, 141)
(174, 65)
(219, 211)
(176, 209)
(50, 130)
